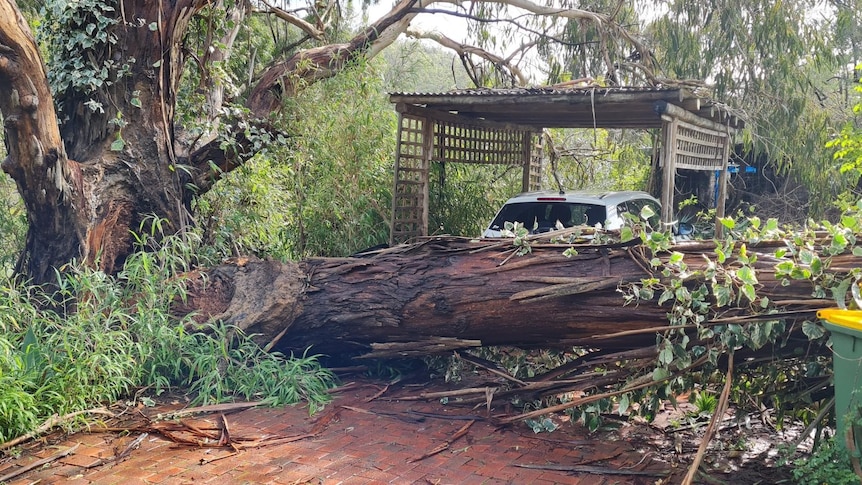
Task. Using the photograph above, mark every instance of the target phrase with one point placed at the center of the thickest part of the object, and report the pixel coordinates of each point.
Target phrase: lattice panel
(409, 198)
(469, 144)
(699, 148)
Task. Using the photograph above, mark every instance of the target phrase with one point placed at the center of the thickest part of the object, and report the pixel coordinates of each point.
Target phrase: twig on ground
(489, 366)
(36, 464)
(50, 423)
(212, 408)
(713, 423)
(378, 393)
(445, 445)
(596, 470)
(436, 395)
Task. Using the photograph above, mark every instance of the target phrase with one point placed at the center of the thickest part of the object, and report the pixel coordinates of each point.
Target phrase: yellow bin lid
(845, 318)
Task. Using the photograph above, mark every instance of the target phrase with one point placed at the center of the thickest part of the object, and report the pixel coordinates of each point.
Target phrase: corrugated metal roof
(542, 90)
(571, 107)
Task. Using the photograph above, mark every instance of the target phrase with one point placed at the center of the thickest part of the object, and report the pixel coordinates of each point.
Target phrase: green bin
(846, 329)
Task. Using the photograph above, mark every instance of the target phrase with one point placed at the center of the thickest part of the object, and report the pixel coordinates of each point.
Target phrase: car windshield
(546, 214)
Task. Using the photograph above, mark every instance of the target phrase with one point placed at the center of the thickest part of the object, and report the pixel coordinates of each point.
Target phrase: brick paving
(384, 444)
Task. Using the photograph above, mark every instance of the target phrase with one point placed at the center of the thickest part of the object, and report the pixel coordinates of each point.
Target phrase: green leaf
(746, 275)
(136, 102)
(665, 356)
(647, 212)
(728, 222)
(626, 234)
(660, 373)
(623, 405)
(812, 330)
(118, 145)
(154, 26)
(748, 291)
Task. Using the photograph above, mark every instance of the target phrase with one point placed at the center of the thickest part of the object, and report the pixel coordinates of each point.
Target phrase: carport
(503, 126)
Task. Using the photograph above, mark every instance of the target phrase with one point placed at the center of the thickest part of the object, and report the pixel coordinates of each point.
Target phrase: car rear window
(546, 214)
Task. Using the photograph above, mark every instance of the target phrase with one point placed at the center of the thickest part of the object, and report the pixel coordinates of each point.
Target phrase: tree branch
(464, 49)
(295, 21)
(323, 62)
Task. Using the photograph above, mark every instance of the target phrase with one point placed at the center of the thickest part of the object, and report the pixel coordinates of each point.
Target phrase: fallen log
(449, 293)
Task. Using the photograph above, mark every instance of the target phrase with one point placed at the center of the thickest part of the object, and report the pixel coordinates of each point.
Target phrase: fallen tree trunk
(446, 294)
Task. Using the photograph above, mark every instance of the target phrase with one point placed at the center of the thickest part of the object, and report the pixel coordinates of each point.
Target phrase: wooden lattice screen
(703, 146)
(410, 195)
(699, 148)
(422, 141)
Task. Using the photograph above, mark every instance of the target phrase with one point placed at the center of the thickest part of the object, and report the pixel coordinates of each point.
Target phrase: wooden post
(722, 186)
(427, 153)
(392, 216)
(668, 185)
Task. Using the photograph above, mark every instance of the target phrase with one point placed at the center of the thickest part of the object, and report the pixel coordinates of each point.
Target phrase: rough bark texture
(49, 183)
(84, 208)
(449, 294)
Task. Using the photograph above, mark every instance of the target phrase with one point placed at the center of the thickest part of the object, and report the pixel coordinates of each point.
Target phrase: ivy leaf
(647, 212)
(723, 294)
(665, 296)
(665, 356)
(659, 374)
(118, 145)
(626, 234)
(812, 330)
(748, 291)
(136, 102)
(154, 26)
(760, 334)
(746, 275)
(624, 404)
(839, 293)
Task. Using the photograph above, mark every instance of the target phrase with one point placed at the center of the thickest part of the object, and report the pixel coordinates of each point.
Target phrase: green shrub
(829, 464)
(106, 336)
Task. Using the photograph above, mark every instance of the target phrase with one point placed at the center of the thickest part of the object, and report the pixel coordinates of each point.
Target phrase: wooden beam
(663, 107)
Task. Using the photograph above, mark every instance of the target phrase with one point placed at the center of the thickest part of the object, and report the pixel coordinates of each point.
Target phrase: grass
(109, 336)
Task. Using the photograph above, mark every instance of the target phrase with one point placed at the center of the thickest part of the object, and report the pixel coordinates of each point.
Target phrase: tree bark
(449, 294)
(84, 206)
(49, 183)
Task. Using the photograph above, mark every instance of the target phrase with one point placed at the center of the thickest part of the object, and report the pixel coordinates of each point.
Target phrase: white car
(540, 211)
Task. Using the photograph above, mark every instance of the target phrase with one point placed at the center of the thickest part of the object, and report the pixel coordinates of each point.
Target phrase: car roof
(584, 196)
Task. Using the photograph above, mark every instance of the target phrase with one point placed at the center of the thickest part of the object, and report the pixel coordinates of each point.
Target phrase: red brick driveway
(353, 441)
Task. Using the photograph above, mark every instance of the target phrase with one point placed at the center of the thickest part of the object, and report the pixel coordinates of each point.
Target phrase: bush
(104, 336)
(829, 464)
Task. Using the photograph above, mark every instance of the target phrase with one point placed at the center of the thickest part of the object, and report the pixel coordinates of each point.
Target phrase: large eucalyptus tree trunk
(110, 159)
(89, 181)
(448, 294)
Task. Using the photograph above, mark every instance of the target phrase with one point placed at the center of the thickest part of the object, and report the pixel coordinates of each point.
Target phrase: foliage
(110, 335)
(777, 63)
(597, 159)
(13, 225)
(72, 32)
(848, 143)
(830, 463)
(465, 197)
(413, 66)
(323, 190)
